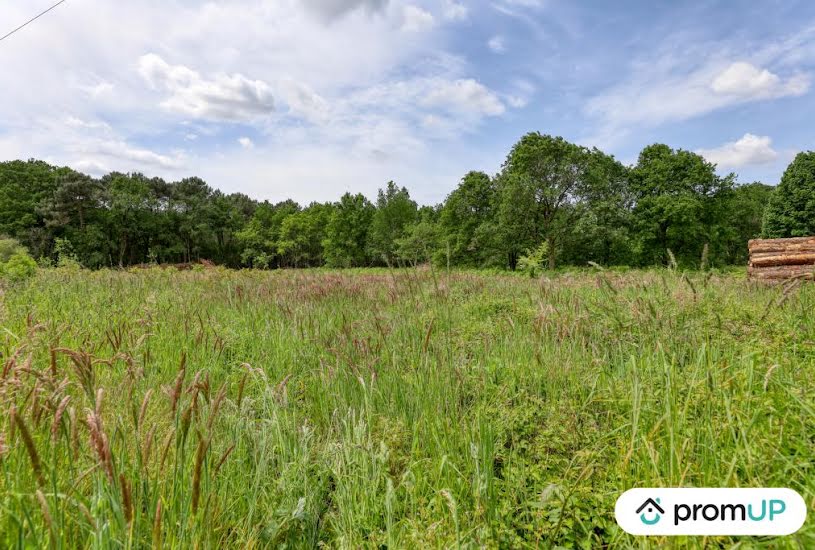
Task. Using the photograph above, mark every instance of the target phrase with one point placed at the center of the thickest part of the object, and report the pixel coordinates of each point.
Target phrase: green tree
(421, 239)
(472, 204)
(228, 215)
(395, 211)
(75, 213)
(302, 234)
(743, 220)
(791, 210)
(680, 204)
(194, 210)
(130, 200)
(24, 186)
(545, 181)
(260, 237)
(601, 232)
(346, 235)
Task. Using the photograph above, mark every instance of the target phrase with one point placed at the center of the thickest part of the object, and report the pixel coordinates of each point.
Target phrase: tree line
(552, 200)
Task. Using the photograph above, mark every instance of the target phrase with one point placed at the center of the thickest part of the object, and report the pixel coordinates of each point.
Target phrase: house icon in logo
(650, 506)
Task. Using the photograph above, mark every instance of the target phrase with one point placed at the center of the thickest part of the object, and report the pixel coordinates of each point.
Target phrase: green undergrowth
(399, 409)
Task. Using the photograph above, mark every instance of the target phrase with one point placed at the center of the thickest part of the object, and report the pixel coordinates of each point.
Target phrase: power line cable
(32, 20)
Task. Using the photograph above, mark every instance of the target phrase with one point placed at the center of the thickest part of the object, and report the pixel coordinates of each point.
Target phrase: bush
(8, 248)
(15, 262)
(19, 267)
(66, 257)
(533, 260)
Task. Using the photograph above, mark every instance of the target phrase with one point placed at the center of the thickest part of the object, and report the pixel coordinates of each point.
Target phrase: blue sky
(307, 99)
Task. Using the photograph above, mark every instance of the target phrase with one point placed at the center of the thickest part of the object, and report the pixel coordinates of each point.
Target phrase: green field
(400, 409)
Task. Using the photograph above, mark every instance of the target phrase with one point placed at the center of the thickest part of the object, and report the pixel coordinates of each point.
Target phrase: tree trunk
(551, 241)
(122, 249)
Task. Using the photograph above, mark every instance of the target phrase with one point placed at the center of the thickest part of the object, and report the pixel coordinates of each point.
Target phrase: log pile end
(781, 259)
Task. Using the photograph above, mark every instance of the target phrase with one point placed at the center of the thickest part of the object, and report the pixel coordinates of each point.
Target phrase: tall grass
(398, 408)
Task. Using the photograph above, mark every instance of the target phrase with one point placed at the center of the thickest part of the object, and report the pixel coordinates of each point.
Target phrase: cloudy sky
(308, 99)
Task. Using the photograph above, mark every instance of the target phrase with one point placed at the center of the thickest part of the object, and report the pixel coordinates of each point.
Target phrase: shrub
(66, 257)
(8, 248)
(19, 267)
(15, 262)
(533, 260)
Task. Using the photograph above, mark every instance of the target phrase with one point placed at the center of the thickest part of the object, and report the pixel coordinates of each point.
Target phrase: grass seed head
(58, 417)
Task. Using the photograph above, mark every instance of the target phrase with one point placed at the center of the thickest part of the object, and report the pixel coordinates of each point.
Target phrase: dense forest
(555, 201)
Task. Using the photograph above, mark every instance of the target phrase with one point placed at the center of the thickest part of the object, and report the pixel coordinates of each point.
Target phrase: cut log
(774, 245)
(757, 255)
(781, 272)
(780, 259)
(757, 260)
(792, 249)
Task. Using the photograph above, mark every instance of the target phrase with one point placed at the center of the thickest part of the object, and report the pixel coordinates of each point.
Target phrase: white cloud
(525, 3)
(465, 95)
(517, 102)
(496, 44)
(460, 103)
(329, 10)
(745, 80)
(223, 97)
(136, 156)
(302, 100)
(75, 122)
(246, 143)
(750, 149)
(415, 19)
(454, 11)
(334, 94)
(97, 90)
(91, 167)
(672, 85)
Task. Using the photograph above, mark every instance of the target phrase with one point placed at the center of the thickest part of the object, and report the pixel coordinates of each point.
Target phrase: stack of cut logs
(779, 259)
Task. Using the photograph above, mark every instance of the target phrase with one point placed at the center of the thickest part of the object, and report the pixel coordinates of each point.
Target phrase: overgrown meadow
(392, 408)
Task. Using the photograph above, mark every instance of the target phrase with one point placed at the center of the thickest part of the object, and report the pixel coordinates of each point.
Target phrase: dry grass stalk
(11, 362)
(100, 444)
(36, 465)
(788, 288)
(705, 257)
(83, 365)
(52, 356)
(166, 448)
(127, 501)
(175, 393)
(203, 444)
(87, 514)
(100, 395)
(427, 335)
(223, 459)
(58, 417)
(36, 411)
(672, 264)
(186, 419)
(216, 406)
(147, 447)
(157, 527)
(240, 389)
(74, 431)
(46, 513)
(143, 410)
